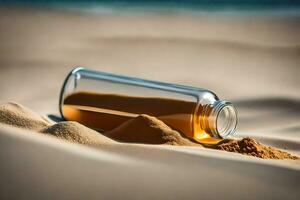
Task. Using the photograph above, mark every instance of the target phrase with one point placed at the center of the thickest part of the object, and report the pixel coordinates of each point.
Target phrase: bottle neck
(220, 119)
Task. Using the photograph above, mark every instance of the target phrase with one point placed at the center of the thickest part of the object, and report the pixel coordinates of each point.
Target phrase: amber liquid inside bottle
(107, 111)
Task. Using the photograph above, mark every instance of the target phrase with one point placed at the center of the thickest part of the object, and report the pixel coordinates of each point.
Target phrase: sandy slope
(253, 61)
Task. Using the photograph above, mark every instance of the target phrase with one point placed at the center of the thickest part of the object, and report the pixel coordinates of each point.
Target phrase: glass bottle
(103, 101)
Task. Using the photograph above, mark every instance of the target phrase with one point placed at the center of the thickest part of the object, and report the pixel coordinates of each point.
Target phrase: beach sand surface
(252, 61)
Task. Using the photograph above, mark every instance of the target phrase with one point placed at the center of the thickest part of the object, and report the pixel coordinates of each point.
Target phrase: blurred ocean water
(106, 6)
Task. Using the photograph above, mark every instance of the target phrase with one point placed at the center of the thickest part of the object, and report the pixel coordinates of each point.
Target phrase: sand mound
(251, 147)
(75, 132)
(148, 130)
(142, 129)
(16, 115)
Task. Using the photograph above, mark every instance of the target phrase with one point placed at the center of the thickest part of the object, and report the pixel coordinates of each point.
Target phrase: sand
(18, 116)
(252, 61)
(148, 130)
(141, 129)
(251, 147)
(75, 132)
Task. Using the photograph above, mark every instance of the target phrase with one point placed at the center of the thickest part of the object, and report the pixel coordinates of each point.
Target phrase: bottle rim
(223, 120)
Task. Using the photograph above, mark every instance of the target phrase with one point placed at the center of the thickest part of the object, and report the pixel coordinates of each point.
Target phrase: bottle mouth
(223, 119)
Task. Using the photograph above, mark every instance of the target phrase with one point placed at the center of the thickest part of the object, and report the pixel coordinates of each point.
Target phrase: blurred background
(246, 51)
